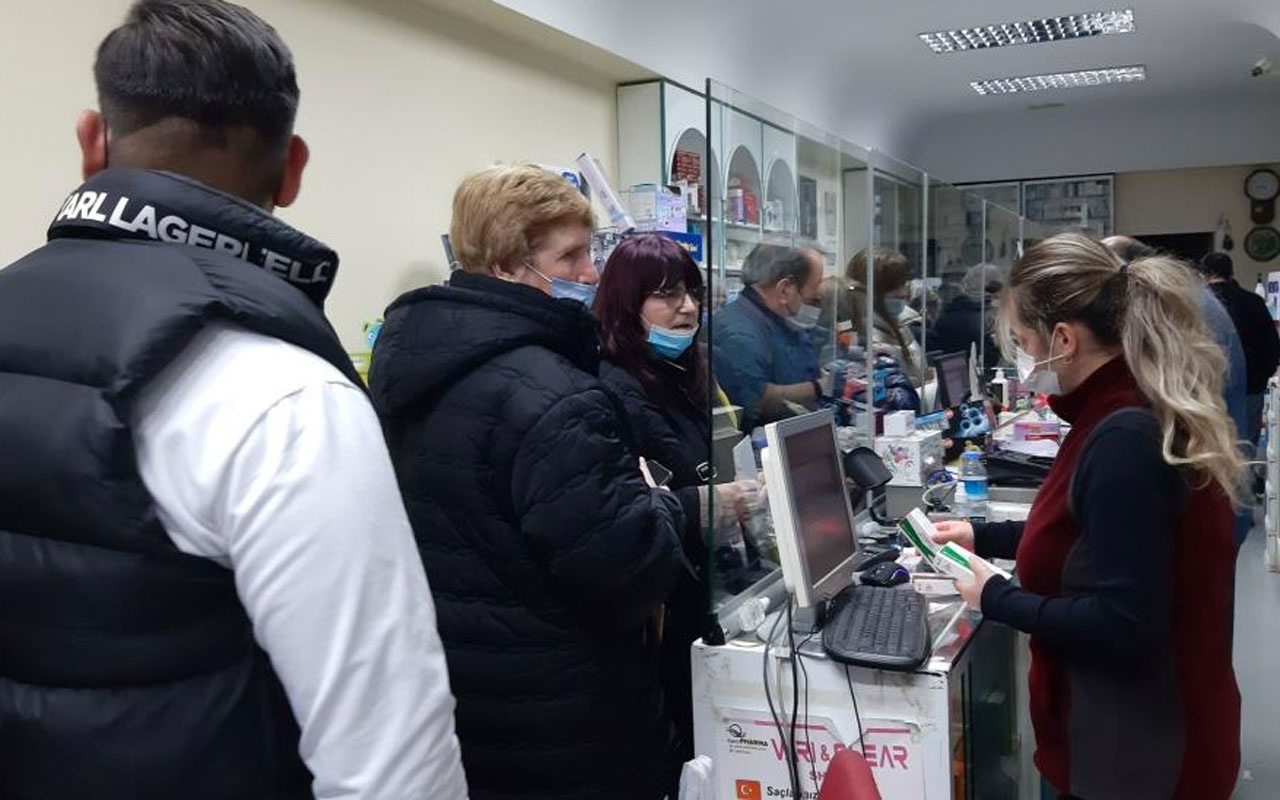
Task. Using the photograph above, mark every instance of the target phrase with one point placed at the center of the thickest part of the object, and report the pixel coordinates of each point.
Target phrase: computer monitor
(810, 506)
(953, 378)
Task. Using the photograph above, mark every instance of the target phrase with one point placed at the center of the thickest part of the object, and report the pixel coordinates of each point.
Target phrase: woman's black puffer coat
(547, 554)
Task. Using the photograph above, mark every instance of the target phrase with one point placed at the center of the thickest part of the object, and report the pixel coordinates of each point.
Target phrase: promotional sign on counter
(751, 757)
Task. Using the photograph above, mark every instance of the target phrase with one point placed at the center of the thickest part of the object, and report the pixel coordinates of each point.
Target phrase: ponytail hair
(1151, 309)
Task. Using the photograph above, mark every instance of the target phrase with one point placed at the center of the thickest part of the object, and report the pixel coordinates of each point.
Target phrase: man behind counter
(765, 344)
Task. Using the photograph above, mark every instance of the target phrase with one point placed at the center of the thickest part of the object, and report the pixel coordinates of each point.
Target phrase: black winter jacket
(1256, 329)
(128, 669)
(960, 325)
(547, 554)
(669, 427)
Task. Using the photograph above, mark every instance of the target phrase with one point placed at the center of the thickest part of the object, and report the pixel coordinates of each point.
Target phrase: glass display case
(663, 147)
(1006, 194)
(1084, 204)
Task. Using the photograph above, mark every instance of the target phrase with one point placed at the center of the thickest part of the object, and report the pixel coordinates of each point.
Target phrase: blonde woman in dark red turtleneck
(1126, 561)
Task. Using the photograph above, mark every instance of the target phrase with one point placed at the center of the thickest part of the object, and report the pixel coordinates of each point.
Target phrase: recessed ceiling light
(1052, 29)
(1061, 80)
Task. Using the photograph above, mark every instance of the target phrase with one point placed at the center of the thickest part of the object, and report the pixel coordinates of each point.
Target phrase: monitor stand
(805, 621)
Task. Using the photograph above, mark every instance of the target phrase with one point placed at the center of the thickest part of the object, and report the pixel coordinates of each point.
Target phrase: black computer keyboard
(884, 628)
(1007, 468)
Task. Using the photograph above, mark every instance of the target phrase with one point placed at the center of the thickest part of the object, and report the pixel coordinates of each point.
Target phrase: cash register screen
(821, 505)
(953, 375)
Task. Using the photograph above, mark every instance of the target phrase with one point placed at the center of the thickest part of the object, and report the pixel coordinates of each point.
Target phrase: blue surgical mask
(895, 306)
(584, 293)
(668, 343)
(562, 289)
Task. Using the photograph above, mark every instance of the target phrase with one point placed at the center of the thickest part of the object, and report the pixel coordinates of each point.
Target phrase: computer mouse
(886, 574)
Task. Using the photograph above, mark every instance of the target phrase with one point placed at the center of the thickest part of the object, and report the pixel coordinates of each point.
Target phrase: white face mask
(807, 317)
(1035, 376)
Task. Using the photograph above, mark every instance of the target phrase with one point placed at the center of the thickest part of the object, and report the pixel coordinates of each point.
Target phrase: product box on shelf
(686, 166)
(656, 208)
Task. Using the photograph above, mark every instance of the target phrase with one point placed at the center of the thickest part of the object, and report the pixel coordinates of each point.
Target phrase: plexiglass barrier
(835, 277)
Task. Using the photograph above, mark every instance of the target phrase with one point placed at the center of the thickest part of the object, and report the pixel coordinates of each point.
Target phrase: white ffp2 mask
(1035, 375)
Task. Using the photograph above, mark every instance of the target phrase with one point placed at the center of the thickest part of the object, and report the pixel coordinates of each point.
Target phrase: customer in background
(648, 306)
(766, 342)
(968, 320)
(1126, 561)
(208, 586)
(890, 272)
(1257, 333)
(548, 552)
(1224, 333)
(919, 297)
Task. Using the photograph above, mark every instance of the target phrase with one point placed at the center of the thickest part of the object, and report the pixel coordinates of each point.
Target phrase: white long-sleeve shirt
(262, 457)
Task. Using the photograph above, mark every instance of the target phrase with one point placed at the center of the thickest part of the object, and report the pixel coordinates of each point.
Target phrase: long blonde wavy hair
(1151, 309)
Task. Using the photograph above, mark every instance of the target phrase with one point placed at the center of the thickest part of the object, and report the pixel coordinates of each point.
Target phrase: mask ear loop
(106, 142)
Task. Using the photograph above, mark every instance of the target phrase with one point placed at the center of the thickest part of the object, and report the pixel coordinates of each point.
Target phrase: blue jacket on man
(752, 346)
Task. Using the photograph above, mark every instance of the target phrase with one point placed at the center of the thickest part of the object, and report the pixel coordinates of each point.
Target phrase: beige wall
(399, 101)
(1190, 201)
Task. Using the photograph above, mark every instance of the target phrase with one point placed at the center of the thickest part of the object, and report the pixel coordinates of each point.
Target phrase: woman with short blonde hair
(1127, 560)
(501, 213)
(548, 553)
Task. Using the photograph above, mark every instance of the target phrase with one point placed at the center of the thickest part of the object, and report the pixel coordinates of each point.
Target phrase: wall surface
(1190, 201)
(400, 99)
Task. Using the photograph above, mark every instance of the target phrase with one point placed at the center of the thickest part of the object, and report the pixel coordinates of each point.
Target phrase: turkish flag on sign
(747, 790)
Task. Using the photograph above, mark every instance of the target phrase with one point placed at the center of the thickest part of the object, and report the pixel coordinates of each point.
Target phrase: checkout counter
(954, 728)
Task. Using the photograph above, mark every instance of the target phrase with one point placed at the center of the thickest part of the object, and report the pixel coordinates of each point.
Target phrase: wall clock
(1262, 243)
(1262, 187)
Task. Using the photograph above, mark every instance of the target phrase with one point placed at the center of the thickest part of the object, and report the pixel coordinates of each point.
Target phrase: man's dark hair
(767, 264)
(1129, 249)
(208, 61)
(1218, 265)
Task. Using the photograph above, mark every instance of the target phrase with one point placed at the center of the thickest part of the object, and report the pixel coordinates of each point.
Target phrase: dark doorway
(1189, 246)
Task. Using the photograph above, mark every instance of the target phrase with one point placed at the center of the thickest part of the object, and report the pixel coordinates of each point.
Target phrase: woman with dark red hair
(648, 304)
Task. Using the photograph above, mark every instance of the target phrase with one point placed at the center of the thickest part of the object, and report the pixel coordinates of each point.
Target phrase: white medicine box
(911, 459)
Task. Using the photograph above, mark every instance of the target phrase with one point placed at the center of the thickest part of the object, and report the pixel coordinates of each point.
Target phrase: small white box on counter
(900, 424)
(913, 458)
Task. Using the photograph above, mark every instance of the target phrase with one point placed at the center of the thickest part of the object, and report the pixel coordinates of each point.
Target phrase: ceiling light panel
(1061, 80)
(1053, 29)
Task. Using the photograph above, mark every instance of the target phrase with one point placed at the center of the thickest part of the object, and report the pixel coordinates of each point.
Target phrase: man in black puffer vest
(208, 586)
(548, 554)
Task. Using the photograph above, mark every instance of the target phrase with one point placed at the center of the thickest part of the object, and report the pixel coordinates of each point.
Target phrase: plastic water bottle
(974, 476)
